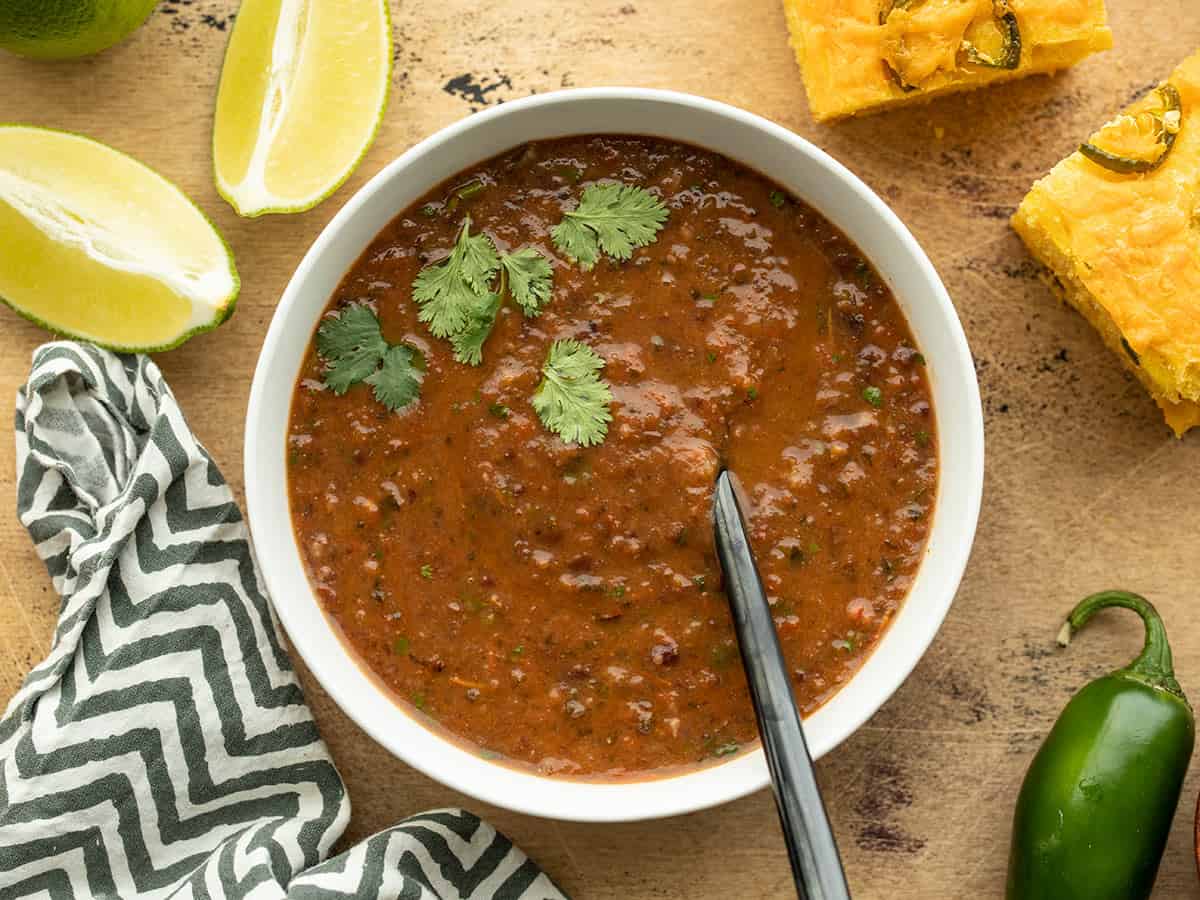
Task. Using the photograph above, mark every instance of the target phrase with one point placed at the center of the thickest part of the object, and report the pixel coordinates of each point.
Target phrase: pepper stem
(1153, 665)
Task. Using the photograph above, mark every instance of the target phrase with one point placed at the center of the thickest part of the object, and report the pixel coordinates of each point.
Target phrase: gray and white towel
(163, 748)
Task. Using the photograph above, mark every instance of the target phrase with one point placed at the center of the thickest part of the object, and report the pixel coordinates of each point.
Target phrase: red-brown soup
(561, 606)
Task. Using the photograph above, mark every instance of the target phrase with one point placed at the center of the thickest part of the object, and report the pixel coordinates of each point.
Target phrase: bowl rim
(746, 773)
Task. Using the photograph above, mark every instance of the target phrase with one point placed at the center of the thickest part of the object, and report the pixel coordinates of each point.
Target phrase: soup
(557, 603)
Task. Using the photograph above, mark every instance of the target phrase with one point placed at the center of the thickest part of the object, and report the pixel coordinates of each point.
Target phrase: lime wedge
(64, 29)
(302, 92)
(99, 247)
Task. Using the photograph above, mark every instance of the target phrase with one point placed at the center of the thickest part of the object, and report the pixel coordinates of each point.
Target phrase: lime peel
(67, 29)
(208, 290)
(253, 188)
(252, 193)
(82, 259)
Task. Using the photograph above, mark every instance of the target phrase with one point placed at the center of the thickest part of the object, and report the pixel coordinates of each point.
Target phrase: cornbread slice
(867, 55)
(1125, 249)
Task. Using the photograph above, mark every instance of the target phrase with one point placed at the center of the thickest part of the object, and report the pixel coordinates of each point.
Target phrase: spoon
(812, 850)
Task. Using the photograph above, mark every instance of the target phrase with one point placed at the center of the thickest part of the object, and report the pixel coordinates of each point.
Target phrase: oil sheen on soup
(559, 606)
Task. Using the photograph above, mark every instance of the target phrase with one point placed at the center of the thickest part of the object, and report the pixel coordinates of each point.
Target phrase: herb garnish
(456, 296)
(573, 400)
(398, 381)
(460, 296)
(468, 343)
(612, 218)
(873, 395)
(450, 291)
(353, 347)
(722, 654)
(529, 276)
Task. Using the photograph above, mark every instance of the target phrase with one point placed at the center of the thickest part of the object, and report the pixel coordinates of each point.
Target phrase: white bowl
(796, 165)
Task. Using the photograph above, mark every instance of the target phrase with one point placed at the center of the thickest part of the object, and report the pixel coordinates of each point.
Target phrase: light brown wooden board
(1085, 487)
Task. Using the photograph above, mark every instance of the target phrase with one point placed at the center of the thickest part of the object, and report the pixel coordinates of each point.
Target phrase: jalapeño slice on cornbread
(866, 55)
(1118, 224)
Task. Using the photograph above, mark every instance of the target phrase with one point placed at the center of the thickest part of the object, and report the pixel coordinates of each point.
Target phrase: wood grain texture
(1085, 487)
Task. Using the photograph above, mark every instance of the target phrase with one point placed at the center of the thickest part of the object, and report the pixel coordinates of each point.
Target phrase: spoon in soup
(812, 850)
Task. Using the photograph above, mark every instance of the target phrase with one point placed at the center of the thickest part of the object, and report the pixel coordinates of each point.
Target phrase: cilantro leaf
(398, 382)
(529, 279)
(612, 218)
(347, 371)
(351, 345)
(448, 291)
(573, 400)
(351, 328)
(456, 297)
(468, 343)
(479, 260)
(576, 242)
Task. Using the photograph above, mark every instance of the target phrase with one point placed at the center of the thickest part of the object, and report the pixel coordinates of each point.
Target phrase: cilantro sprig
(468, 343)
(611, 218)
(351, 345)
(454, 289)
(459, 297)
(354, 351)
(529, 279)
(573, 400)
(397, 383)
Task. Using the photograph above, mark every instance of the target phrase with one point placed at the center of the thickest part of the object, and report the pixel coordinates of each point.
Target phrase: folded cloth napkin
(164, 748)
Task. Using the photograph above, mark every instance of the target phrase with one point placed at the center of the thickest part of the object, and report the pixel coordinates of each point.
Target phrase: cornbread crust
(1126, 251)
(841, 46)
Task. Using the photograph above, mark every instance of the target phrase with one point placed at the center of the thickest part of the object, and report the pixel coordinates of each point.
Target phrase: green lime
(302, 92)
(61, 29)
(121, 258)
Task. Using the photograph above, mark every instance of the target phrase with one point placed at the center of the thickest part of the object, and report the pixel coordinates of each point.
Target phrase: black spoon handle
(816, 866)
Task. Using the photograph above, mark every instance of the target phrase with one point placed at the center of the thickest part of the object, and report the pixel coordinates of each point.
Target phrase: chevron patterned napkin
(164, 748)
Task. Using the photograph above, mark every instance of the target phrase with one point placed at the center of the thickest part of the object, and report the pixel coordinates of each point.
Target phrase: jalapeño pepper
(1166, 120)
(1010, 33)
(1096, 806)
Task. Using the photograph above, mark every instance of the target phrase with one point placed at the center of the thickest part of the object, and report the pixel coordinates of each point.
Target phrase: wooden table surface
(1085, 486)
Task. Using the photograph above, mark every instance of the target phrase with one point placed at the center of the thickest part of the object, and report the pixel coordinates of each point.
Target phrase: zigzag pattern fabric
(163, 748)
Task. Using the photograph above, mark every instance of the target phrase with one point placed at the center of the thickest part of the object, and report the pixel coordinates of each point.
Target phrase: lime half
(60, 29)
(302, 92)
(99, 247)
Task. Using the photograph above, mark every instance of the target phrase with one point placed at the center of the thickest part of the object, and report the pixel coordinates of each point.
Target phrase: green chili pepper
(1096, 806)
(888, 5)
(1010, 32)
(884, 11)
(1167, 122)
(897, 79)
(464, 192)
